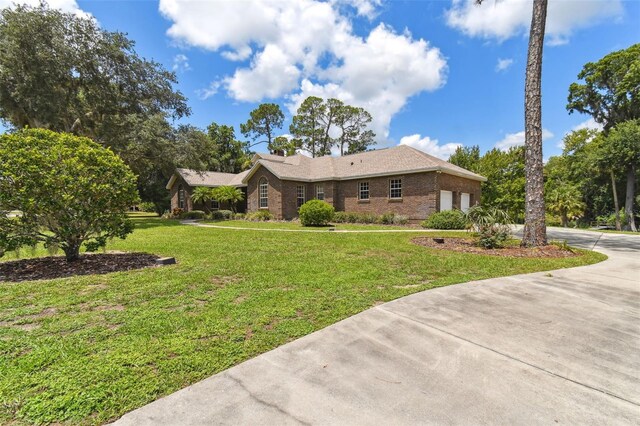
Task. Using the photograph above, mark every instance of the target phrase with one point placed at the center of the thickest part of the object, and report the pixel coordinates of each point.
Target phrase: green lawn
(298, 226)
(86, 350)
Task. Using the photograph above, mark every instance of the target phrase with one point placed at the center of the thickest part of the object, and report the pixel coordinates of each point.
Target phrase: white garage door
(464, 201)
(446, 200)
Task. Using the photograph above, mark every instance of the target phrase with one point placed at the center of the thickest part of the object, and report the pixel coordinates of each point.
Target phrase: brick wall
(187, 196)
(274, 192)
(458, 185)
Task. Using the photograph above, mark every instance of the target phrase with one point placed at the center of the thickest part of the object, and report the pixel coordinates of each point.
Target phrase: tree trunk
(616, 205)
(565, 219)
(72, 251)
(630, 224)
(535, 230)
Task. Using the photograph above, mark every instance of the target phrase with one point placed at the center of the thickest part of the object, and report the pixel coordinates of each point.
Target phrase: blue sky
(432, 73)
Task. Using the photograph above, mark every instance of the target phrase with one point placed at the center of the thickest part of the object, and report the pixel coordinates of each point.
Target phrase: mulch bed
(467, 245)
(46, 268)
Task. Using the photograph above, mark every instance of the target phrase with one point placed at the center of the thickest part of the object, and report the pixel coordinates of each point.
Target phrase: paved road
(531, 349)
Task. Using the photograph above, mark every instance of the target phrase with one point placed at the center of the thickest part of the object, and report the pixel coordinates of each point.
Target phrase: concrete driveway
(540, 348)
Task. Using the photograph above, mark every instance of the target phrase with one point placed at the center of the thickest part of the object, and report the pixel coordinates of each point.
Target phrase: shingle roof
(389, 161)
(211, 179)
(401, 159)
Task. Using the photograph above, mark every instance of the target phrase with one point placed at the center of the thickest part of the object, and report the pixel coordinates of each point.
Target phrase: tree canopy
(610, 91)
(262, 123)
(69, 191)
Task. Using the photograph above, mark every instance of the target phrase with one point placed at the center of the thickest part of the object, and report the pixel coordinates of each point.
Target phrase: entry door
(464, 201)
(446, 200)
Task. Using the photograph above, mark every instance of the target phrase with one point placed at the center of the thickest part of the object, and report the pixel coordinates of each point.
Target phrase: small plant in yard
(223, 215)
(70, 190)
(316, 213)
(448, 219)
(491, 224)
(176, 212)
(193, 214)
(228, 194)
(259, 216)
(203, 195)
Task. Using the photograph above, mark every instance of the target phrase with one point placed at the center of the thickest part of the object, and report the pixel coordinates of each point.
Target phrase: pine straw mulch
(47, 268)
(468, 245)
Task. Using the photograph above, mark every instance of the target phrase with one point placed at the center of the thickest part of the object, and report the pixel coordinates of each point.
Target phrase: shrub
(491, 224)
(239, 216)
(260, 216)
(316, 213)
(400, 219)
(70, 190)
(147, 206)
(193, 214)
(386, 219)
(177, 212)
(340, 217)
(448, 219)
(222, 215)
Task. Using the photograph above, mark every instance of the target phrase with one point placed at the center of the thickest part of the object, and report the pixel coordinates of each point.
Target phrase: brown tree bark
(535, 230)
(630, 224)
(616, 205)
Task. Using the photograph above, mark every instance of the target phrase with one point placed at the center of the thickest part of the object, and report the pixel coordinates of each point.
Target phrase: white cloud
(70, 6)
(502, 19)
(210, 91)
(503, 64)
(587, 124)
(181, 63)
(307, 47)
(430, 146)
(517, 139)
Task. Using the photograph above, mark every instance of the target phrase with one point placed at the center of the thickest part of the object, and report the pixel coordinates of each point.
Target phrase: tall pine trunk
(535, 230)
(628, 202)
(616, 205)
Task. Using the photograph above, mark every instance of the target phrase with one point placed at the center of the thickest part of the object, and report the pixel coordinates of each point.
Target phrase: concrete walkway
(543, 348)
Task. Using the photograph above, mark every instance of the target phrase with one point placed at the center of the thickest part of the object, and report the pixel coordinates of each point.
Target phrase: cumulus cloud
(70, 6)
(503, 64)
(181, 63)
(430, 146)
(587, 124)
(503, 19)
(300, 48)
(517, 139)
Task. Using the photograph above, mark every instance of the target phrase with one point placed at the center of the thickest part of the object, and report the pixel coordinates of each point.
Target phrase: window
(363, 190)
(465, 201)
(395, 188)
(319, 192)
(181, 199)
(215, 205)
(263, 192)
(300, 195)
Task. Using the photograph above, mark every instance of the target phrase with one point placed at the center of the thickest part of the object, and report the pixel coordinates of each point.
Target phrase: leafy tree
(621, 150)
(327, 121)
(204, 195)
(284, 146)
(228, 194)
(611, 89)
(352, 123)
(505, 185)
(534, 233)
(306, 127)
(262, 123)
(70, 191)
(565, 201)
(63, 72)
(233, 156)
(467, 157)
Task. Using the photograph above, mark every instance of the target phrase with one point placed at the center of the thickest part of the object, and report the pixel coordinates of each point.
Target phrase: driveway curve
(542, 348)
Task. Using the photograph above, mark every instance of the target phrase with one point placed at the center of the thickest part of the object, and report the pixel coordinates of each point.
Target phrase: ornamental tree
(228, 194)
(69, 191)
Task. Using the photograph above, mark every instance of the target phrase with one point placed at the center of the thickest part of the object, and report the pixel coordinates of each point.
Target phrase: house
(402, 180)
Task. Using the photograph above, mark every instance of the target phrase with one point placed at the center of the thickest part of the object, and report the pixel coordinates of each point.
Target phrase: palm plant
(228, 194)
(204, 195)
(566, 201)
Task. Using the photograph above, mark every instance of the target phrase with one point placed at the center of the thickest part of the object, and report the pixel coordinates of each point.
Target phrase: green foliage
(193, 214)
(315, 119)
(147, 206)
(448, 219)
(263, 122)
(228, 194)
(467, 157)
(316, 213)
(68, 186)
(491, 224)
(370, 218)
(224, 215)
(203, 195)
(233, 156)
(611, 89)
(259, 216)
(565, 200)
(283, 145)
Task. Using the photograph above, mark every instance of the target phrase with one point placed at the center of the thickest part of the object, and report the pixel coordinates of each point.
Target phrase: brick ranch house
(400, 180)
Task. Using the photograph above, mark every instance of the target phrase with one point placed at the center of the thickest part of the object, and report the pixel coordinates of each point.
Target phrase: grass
(86, 350)
(298, 226)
